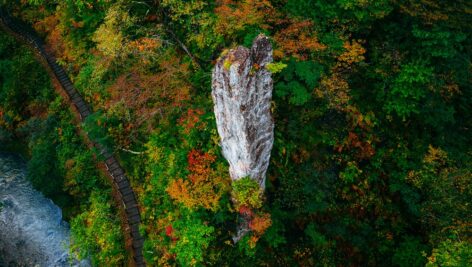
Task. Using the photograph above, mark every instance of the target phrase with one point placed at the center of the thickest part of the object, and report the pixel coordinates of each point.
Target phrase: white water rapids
(32, 232)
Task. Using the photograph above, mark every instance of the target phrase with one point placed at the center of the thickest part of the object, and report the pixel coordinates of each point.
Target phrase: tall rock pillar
(242, 93)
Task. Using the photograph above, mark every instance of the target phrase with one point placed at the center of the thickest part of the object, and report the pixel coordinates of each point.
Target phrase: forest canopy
(372, 103)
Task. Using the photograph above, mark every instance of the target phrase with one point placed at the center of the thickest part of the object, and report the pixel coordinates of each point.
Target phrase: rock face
(242, 93)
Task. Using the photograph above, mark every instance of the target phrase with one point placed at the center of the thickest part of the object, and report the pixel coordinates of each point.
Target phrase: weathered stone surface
(242, 93)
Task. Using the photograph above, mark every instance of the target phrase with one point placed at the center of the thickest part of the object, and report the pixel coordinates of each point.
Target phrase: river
(32, 232)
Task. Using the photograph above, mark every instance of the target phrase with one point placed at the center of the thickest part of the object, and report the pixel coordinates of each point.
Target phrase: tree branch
(183, 47)
(132, 152)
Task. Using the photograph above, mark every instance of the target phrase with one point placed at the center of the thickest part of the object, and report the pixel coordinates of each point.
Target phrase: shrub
(246, 192)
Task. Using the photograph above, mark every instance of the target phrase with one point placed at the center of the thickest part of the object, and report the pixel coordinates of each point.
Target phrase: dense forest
(372, 103)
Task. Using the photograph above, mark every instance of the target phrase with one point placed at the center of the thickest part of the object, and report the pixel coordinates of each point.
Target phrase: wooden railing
(118, 177)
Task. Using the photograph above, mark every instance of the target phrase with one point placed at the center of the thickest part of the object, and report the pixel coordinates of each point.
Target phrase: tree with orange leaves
(203, 186)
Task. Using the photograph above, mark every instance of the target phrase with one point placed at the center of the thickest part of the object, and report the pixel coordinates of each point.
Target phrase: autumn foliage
(235, 16)
(297, 39)
(371, 158)
(203, 186)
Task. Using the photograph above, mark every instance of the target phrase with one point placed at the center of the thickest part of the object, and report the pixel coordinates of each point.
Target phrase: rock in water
(242, 93)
